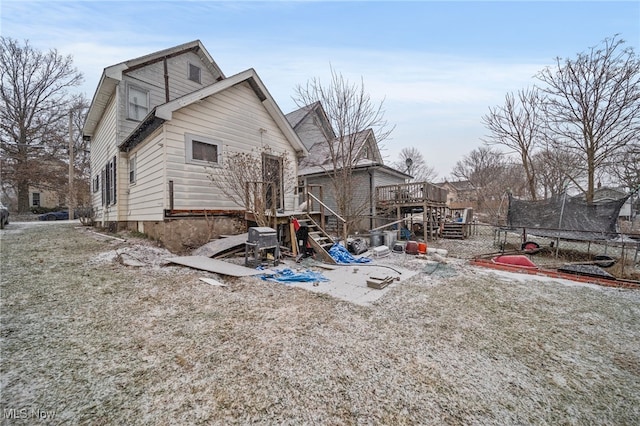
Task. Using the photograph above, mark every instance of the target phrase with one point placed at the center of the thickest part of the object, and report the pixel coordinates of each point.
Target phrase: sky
(436, 67)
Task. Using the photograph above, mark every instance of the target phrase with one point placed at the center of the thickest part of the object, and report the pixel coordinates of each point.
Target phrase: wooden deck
(395, 202)
(419, 193)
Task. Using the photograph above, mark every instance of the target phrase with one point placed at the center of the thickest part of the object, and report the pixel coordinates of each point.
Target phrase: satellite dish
(409, 163)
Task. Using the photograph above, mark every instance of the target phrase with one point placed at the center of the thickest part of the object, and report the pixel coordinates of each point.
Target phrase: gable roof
(320, 152)
(315, 110)
(296, 117)
(112, 75)
(363, 164)
(164, 112)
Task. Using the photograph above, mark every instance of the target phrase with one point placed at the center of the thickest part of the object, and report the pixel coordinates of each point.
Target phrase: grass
(100, 343)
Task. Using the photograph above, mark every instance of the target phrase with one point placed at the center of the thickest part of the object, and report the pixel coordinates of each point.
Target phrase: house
(461, 194)
(368, 170)
(159, 124)
(40, 197)
(50, 185)
(604, 194)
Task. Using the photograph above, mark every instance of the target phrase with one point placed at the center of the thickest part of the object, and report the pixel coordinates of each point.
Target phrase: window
(96, 183)
(109, 179)
(35, 201)
(201, 150)
(365, 153)
(194, 73)
(138, 103)
(132, 169)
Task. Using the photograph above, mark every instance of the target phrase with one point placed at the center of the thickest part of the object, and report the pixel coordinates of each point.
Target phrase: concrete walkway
(349, 282)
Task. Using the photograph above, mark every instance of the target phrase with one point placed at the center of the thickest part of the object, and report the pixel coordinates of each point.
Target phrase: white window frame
(189, 67)
(190, 138)
(130, 110)
(96, 183)
(133, 171)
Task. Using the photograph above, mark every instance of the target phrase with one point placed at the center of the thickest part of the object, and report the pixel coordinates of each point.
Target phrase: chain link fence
(551, 251)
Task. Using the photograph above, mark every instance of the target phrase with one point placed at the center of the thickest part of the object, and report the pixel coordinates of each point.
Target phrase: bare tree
(34, 87)
(82, 152)
(625, 166)
(518, 126)
(593, 105)
(555, 169)
(255, 180)
(412, 162)
(485, 169)
(351, 113)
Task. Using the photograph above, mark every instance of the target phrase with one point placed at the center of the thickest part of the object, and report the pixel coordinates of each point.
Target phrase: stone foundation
(181, 235)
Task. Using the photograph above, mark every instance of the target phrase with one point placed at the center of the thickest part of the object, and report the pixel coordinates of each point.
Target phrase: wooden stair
(453, 230)
(319, 240)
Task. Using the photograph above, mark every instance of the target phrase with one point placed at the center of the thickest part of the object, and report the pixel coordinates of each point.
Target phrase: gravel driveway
(88, 340)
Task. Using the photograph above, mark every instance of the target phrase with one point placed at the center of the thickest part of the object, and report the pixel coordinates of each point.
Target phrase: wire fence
(551, 250)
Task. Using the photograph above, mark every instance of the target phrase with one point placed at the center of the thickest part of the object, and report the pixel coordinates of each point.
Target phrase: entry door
(272, 176)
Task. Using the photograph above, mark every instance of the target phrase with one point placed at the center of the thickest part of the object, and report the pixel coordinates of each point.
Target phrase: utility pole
(71, 199)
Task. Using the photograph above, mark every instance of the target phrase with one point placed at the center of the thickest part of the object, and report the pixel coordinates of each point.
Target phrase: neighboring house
(369, 171)
(461, 194)
(311, 125)
(603, 194)
(44, 198)
(157, 123)
(49, 184)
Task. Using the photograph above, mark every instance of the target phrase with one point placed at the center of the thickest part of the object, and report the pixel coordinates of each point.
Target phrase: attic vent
(194, 73)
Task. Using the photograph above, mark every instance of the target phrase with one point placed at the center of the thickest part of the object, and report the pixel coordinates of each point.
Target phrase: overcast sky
(438, 66)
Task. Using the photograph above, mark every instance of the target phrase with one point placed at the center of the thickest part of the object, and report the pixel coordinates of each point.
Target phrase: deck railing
(410, 193)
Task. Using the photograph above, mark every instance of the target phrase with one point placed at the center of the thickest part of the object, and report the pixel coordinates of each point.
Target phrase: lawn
(88, 340)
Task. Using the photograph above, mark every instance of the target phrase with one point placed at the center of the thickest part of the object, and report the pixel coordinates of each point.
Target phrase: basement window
(202, 150)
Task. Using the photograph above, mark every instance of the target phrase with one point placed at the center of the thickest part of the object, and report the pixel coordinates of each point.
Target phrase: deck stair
(453, 230)
(320, 241)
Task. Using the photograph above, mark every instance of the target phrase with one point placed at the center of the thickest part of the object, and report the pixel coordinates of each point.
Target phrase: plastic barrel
(376, 238)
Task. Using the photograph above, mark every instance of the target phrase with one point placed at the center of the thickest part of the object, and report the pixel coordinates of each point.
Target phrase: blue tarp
(287, 275)
(342, 255)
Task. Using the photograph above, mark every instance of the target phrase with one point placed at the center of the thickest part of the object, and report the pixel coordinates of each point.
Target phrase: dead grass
(102, 343)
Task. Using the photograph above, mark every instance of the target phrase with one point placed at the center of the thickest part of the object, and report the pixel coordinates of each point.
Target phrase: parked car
(59, 215)
(4, 216)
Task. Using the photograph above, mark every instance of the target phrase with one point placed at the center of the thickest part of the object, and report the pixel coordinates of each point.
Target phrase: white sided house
(159, 124)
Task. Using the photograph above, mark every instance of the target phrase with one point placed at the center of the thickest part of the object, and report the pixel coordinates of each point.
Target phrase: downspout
(166, 80)
(371, 199)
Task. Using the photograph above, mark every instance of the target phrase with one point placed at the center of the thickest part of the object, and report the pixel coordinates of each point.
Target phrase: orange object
(422, 248)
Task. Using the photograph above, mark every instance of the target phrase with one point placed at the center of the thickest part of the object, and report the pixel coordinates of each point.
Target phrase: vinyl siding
(103, 148)
(146, 196)
(380, 178)
(233, 117)
(361, 186)
(151, 78)
(310, 132)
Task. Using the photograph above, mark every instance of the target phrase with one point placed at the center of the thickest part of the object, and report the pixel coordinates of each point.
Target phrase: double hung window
(137, 103)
